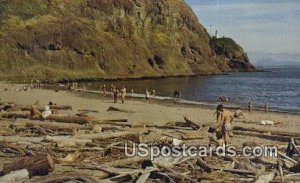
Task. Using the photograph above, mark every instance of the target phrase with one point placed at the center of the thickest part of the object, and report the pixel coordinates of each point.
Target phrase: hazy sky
(267, 26)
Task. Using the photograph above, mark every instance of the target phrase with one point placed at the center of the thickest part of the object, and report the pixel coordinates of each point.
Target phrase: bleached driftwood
(67, 141)
(15, 176)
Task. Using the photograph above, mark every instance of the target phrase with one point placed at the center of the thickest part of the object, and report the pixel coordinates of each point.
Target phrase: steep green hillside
(56, 39)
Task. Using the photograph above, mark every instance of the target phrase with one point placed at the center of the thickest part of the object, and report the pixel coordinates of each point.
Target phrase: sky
(261, 27)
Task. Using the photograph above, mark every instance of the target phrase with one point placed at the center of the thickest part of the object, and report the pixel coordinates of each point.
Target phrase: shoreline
(173, 101)
(184, 102)
(157, 112)
(102, 79)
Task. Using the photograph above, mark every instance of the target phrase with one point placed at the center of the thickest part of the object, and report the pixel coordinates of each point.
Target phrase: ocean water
(280, 88)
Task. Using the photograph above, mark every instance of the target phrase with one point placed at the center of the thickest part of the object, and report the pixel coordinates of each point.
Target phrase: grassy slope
(58, 39)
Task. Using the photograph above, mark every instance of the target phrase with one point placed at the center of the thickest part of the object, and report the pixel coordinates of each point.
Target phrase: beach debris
(177, 142)
(52, 107)
(296, 168)
(267, 134)
(267, 122)
(78, 148)
(265, 178)
(88, 110)
(114, 109)
(40, 164)
(70, 119)
(15, 176)
(110, 121)
(292, 148)
(192, 124)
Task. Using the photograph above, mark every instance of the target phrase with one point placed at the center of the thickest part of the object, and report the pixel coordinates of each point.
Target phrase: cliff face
(231, 56)
(55, 39)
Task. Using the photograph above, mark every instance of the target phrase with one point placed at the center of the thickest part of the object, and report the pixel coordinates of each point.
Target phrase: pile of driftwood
(78, 148)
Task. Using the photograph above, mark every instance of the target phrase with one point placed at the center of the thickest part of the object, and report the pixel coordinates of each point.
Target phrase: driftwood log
(19, 139)
(10, 115)
(15, 176)
(109, 121)
(70, 177)
(53, 107)
(40, 164)
(70, 119)
(192, 124)
(114, 109)
(13, 147)
(271, 132)
(124, 162)
(105, 136)
(265, 136)
(209, 168)
(65, 141)
(54, 126)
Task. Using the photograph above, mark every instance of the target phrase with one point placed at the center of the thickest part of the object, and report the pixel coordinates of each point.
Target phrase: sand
(154, 112)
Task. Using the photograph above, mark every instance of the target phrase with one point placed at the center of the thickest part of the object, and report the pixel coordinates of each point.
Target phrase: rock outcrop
(56, 39)
(231, 56)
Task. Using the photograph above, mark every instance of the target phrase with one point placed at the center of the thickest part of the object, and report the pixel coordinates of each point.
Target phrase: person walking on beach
(104, 90)
(115, 94)
(223, 99)
(224, 121)
(177, 94)
(123, 94)
(266, 109)
(250, 107)
(147, 95)
(112, 87)
(153, 93)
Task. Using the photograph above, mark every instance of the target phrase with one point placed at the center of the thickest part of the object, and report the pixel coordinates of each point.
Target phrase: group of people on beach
(116, 92)
(148, 94)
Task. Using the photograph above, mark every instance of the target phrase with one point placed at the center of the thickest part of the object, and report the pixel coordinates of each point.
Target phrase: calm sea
(280, 88)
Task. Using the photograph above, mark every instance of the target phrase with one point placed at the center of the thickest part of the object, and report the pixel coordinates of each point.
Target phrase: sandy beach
(139, 114)
(156, 112)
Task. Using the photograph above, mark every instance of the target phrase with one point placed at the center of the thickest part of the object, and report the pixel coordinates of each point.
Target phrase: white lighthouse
(216, 34)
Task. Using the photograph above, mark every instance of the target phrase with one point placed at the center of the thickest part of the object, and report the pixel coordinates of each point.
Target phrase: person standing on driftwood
(123, 94)
(224, 121)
